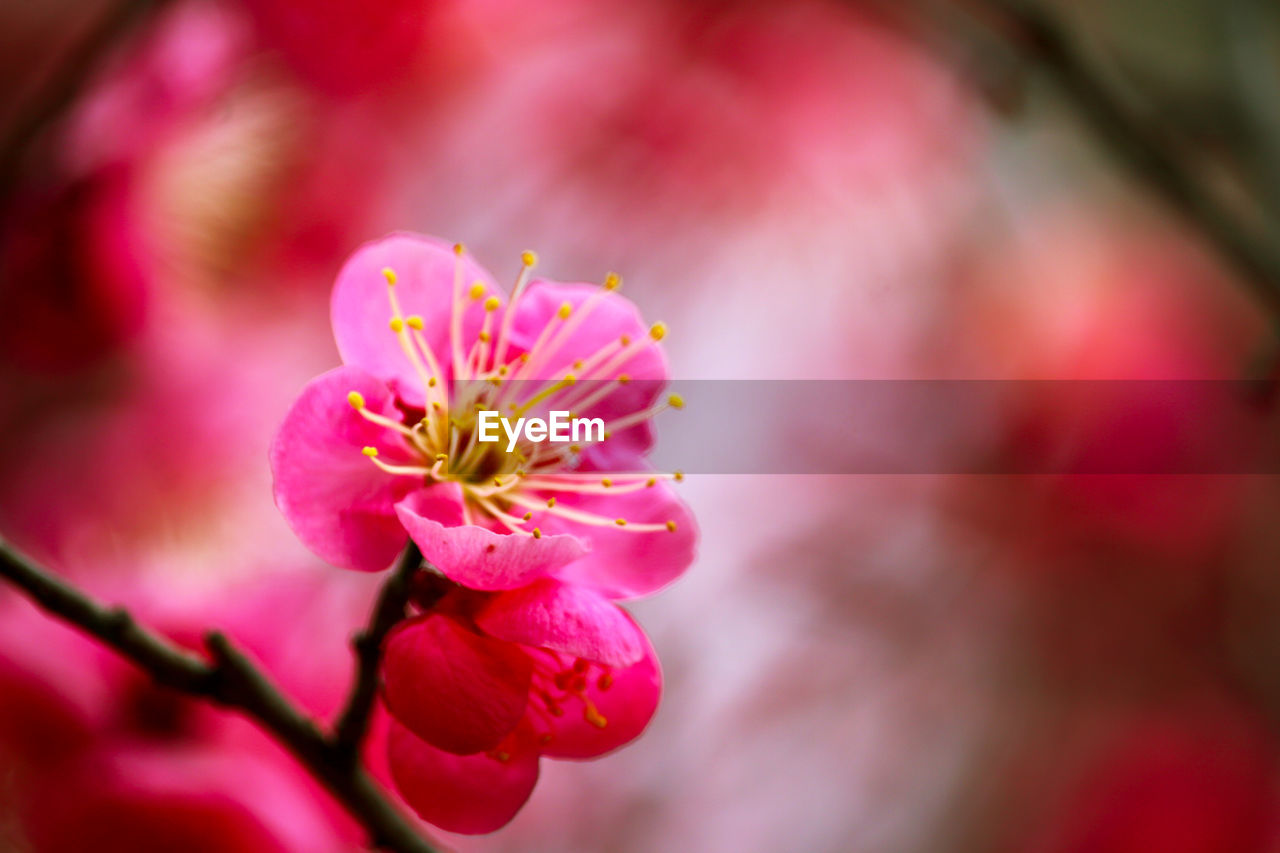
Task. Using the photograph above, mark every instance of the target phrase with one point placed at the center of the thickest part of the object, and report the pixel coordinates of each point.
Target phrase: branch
(60, 90)
(1048, 45)
(230, 680)
(388, 610)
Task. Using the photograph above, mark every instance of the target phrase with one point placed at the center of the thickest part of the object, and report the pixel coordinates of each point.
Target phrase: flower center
(513, 488)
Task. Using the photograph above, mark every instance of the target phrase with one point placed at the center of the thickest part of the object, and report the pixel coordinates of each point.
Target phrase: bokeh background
(1061, 663)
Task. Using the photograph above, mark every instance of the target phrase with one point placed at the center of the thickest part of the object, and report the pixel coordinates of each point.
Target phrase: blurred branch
(389, 609)
(1045, 43)
(66, 81)
(1250, 26)
(229, 679)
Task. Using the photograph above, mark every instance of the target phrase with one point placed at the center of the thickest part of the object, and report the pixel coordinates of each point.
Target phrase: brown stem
(1046, 44)
(66, 82)
(231, 680)
(387, 611)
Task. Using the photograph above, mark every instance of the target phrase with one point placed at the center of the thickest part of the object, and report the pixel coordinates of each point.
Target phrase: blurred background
(936, 189)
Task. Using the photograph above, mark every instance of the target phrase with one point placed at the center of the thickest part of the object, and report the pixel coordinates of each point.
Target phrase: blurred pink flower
(73, 282)
(1112, 305)
(342, 47)
(1172, 781)
(385, 448)
(484, 683)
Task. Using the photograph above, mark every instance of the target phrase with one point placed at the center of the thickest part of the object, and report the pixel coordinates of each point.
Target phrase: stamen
(527, 262)
(583, 517)
(455, 315)
(356, 400)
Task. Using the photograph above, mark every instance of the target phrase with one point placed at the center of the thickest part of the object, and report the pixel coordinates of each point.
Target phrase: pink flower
(385, 448)
(483, 684)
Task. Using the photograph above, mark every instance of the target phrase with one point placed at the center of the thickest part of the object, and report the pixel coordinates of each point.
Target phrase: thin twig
(1049, 46)
(230, 679)
(387, 611)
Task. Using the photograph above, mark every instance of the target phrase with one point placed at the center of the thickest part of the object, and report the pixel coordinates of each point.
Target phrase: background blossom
(814, 190)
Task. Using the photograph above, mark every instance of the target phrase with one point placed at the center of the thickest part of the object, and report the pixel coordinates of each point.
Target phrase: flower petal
(338, 502)
(611, 317)
(361, 309)
(469, 794)
(623, 563)
(625, 704)
(475, 556)
(457, 689)
(566, 618)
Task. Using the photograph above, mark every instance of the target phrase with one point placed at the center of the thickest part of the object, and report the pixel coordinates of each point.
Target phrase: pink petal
(566, 618)
(360, 308)
(626, 704)
(612, 317)
(469, 794)
(623, 563)
(457, 689)
(337, 501)
(475, 556)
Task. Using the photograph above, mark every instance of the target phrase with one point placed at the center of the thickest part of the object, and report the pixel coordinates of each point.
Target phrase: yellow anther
(675, 401)
(477, 290)
(625, 340)
(577, 365)
(397, 325)
(605, 681)
(528, 258)
(390, 275)
(537, 534)
(612, 281)
(458, 248)
(435, 406)
(442, 457)
(356, 399)
(497, 481)
(565, 310)
(651, 482)
(575, 448)
(621, 522)
(431, 382)
(503, 370)
(594, 717)
(370, 451)
(492, 303)
(484, 336)
(524, 358)
(527, 516)
(623, 378)
(414, 321)
(495, 381)
(671, 525)
(569, 379)
(551, 502)
(678, 476)
(658, 331)
(606, 482)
